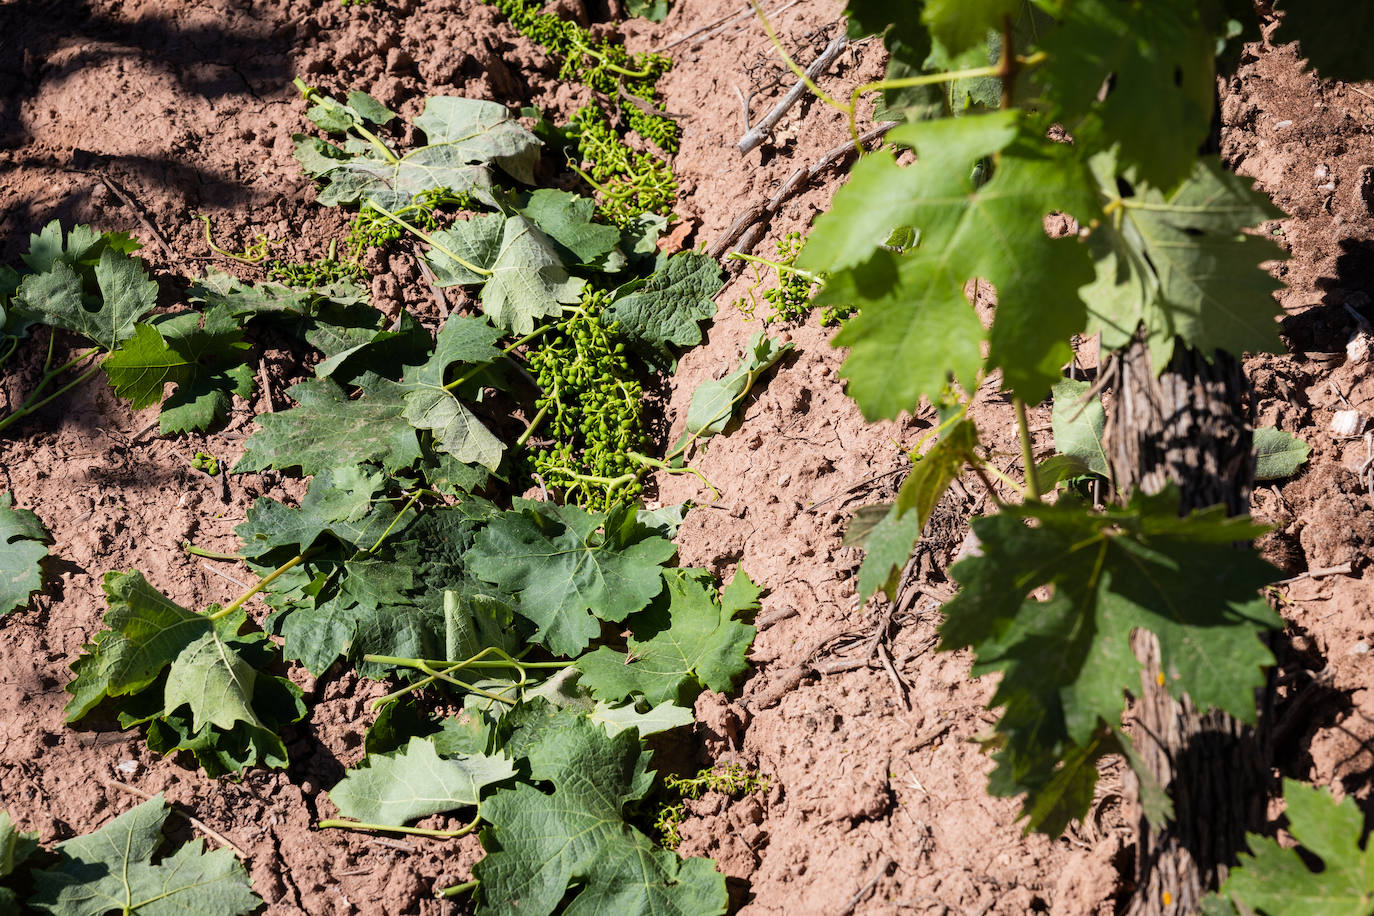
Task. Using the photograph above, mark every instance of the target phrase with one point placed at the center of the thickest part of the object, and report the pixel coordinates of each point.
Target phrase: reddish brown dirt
(876, 801)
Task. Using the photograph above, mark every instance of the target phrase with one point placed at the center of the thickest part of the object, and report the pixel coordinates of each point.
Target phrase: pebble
(1283, 125)
(128, 768)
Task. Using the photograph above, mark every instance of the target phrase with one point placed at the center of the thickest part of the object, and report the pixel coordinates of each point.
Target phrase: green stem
(195, 551)
(253, 254)
(453, 890)
(271, 577)
(1027, 451)
(776, 265)
(29, 405)
(413, 831)
(311, 94)
(415, 497)
(646, 462)
(429, 240)
(534, 425)
(596, 55)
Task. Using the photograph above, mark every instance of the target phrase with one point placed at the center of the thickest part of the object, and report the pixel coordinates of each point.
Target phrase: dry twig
(755, 136)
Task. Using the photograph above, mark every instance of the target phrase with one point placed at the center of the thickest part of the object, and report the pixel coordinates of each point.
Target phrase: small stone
(1322, 172)
(128, 768)
(784, 479)
(1283, 125)
(1357, 347)
(1360, 648)
(1347, 424)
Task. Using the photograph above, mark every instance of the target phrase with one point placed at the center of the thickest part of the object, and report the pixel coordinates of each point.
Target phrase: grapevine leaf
(1056, 469)
(328, 430)
(429, 405)
(215, 683)
(335, 117)
(112, 870)
(339, 501)
(15, 847)
(1278, 454)
(1066, 662)
(913, 312)
(668, 306)
(525, 278)
(685, 642)
(887, 547)
(903, 311)
(79, 248)
(205, 363)
(1158, 61)
(145, 631)
(1331, 35)
(481, 131)
(1183, 264)
(890, 543)
(661, 718)
(55, 297)
(541, 847)
(961, 24)
(465, 137)
(1078, 426)
(567, 219)
(235, 711)
(395, 789)
(1277, 881)
(908, 45)
(570, 568)
(714, 401)
(23, 545)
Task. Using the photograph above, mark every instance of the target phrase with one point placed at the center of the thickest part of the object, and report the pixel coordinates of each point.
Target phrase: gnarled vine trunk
(1189, 426)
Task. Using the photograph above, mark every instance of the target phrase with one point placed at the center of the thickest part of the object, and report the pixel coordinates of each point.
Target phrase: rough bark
(1188, 426)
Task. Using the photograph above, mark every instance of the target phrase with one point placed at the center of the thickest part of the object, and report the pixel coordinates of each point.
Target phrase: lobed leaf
(23, 546)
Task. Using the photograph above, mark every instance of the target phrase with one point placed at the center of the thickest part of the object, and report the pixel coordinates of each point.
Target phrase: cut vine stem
(454, 890)
(271, 577)
(345, 824)
(429, 240)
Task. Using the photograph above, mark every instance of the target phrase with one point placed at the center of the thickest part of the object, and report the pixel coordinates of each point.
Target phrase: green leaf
(395, 789)
(526, 280)
(1157, 60)
(686, 642)
(887, 547)
(465, 138)
(1182, 263)
(668, 306)
(339, 501)
(23, 546)
(329, 430)
(961, 24)
(566, 218)
(891, 541)
(205, 363)
(1331, 35)
(714, 401)
(1279, 882)
(666, 716)
(156, 658)
(56, 297)
(429, 405)
(1066, 662)
(1056, 469)
(15, 847)
(577, 838)
(913, 312)
(1278, 454)
(1078, 426)
(112, 870)
(570, 569)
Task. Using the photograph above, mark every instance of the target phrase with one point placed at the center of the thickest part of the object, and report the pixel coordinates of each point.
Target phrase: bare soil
(876, 800)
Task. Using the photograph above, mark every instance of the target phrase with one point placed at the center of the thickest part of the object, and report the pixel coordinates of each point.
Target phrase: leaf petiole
(429, 240)
(271, 577)
(413, 831)
(454, 890)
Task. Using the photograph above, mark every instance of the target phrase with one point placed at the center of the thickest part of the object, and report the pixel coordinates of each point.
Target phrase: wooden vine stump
(1189, 426)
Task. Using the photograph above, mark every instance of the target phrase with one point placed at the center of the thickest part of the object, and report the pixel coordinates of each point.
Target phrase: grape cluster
(594, 410)
(370, 229)
(314, 274)
(791, 298)
(630, 182)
